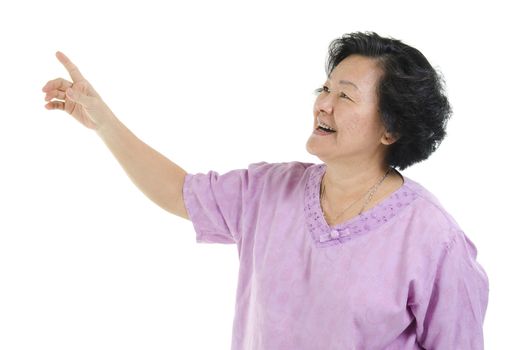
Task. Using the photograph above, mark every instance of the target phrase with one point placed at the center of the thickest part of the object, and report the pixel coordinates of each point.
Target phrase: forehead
(363, 71)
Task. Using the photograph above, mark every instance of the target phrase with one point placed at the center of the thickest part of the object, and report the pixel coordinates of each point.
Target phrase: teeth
(319, 123)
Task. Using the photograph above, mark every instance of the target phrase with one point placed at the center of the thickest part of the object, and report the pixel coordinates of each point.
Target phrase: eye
(321, 89)
(325, 89)
(345, 96)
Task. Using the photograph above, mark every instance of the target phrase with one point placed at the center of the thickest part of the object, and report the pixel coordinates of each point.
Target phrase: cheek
(352, 124)
(351, 131)
(358, 128)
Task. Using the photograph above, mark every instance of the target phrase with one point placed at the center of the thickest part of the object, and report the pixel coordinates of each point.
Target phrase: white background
(88, 262)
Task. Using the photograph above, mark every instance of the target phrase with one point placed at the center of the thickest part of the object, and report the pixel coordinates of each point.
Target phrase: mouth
(324, 127)
(323, 131)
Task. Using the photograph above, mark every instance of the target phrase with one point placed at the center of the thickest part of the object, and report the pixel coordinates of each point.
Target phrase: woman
(348, 254)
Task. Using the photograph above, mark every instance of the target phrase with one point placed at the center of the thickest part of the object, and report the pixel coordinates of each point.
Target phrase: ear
(389, 138)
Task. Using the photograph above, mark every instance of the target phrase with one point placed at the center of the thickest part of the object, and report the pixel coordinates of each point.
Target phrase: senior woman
(347, 254)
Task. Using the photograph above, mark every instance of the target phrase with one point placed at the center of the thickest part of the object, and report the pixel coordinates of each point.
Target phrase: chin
(308, 145)
(313, 150)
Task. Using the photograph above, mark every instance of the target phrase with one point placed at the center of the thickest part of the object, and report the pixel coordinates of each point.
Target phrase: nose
(325, 102)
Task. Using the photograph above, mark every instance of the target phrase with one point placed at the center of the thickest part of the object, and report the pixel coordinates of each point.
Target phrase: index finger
(72, 69)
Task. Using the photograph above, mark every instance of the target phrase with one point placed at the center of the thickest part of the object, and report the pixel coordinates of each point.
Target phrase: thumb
(77, 97)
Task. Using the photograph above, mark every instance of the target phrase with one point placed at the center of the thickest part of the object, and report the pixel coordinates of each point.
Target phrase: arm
(156, 176)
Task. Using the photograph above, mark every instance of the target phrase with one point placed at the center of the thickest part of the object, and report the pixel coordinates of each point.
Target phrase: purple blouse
(402, 275)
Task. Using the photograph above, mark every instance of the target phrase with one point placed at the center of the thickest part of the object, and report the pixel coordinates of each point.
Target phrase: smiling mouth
(322, 126)
(323, 129)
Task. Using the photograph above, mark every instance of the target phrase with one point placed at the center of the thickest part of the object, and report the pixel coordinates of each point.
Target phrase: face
(352, 110)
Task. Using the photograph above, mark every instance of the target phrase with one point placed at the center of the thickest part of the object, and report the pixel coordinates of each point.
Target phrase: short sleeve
(450, 312)
(216, 203)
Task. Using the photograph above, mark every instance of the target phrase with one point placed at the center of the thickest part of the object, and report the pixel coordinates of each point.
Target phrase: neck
(344, 183)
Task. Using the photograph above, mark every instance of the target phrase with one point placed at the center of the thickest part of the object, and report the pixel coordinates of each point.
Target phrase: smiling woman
(350, 254)
(347, 254)
(406, 96)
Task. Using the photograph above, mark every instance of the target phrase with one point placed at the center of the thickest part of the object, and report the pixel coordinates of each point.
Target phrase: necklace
(371, 192)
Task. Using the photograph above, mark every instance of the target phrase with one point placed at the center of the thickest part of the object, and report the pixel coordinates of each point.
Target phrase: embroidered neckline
(369, 220)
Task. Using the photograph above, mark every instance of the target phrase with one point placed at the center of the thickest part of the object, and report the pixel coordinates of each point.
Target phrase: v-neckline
(324, 234)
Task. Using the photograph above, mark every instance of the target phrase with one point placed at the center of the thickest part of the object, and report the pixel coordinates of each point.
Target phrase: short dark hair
(412, 101)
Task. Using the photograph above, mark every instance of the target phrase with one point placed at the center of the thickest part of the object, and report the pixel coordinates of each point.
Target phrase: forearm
(157, 177)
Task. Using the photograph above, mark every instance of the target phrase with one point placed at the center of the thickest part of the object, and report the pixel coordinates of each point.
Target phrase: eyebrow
(347, 82)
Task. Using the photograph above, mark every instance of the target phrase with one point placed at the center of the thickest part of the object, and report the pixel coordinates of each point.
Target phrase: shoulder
(277, 178)
(280, 170)
(279, 166)
(438, 233)
(429, 214)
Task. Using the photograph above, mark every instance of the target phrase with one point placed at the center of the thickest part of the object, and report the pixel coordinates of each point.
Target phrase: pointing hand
(78, 98)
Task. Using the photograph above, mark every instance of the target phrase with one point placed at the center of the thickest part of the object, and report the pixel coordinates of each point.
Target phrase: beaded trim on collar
(323, 234)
